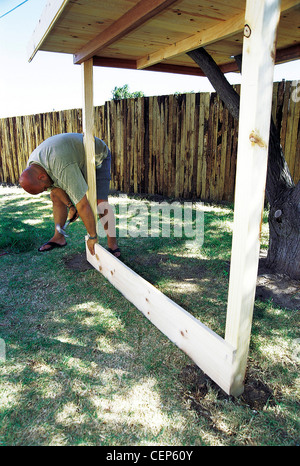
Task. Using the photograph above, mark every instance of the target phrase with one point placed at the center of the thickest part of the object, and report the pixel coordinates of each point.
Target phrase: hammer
(61, 230)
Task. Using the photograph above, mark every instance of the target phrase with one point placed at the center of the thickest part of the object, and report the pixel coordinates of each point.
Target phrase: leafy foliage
(123, 92)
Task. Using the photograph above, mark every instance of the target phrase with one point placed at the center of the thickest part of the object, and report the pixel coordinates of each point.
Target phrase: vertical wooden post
(261, 22)
(88, 125)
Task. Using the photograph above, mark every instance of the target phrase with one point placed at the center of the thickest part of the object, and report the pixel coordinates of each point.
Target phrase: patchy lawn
(80, 365)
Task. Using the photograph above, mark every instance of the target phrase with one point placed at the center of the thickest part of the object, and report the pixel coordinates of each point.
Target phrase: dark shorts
(103, 178)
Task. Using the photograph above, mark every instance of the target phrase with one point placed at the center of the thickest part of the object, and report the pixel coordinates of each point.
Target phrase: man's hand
(91, 245)
(87, 216)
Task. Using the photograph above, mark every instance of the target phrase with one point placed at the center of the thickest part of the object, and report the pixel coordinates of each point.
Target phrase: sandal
(113, 251)
(52, 246)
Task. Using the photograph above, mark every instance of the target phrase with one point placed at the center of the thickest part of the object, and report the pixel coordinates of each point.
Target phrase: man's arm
(87, 216)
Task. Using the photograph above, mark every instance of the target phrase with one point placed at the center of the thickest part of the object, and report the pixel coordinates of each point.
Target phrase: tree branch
(226, 92)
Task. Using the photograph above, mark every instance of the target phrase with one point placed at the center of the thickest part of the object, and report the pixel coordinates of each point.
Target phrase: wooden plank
(296, 175)
(50, 15)
(5, 150)
(172, 136)
(220, 31)
(205, 180)
(288, 5)
(262, 17)
(214, 148)
(229, 156)
(139, 124)
(132, 19)
(207, 349)
(78, 23)
(88, 124)
(296, 145)
(21, 154)
(163, 67)
(190, 143)
(180, 146)
(233, 156)
(183, 144)
(209, 151)
(168, 146)
(2, 175)
(160, 138)
(151, 146)
(129, 156)
(154, 179)
(292, 133)
(193, 193)
(116, 141)
(200, 150)
(285, 115)
(221, 182)
(11, 156)
(274, 102)
(159, 134)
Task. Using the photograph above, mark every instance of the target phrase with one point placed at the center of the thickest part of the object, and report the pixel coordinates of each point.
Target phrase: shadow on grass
(84, 367)
(21, 228)
(80, 358)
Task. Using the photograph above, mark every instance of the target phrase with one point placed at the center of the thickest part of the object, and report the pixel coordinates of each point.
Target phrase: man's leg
(60, 201)
(107, 218)
(104, 210)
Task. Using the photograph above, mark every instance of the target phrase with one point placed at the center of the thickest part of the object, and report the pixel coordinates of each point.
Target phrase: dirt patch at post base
(78, 262)
(195, 388)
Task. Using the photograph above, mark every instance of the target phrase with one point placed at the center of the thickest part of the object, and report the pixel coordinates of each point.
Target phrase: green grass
(84, 367)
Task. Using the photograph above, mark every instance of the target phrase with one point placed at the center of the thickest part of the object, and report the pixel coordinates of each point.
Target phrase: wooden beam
(282, 55)
(222, 30)
(288, 5)
(262, 17)
(132, 19)
(114, 62)
(88, 125)
(207, 349)
(161, 67)
(288, 53)
(189, 70)
(50, 15)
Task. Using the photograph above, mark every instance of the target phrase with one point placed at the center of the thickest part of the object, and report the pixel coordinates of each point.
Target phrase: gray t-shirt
(63, 158)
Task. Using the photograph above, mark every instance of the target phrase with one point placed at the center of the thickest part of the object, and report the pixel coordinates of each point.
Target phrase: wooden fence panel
(177, 145)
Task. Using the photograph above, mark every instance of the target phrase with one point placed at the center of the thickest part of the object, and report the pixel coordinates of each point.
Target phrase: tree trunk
(281, 193)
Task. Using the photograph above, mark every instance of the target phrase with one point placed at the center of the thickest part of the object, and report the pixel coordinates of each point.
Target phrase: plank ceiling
(156, 34)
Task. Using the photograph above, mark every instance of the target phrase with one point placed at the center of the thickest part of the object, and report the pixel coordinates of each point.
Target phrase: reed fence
(176, 145)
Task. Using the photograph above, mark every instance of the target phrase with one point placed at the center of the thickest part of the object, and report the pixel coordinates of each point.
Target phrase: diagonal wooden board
(207, 349)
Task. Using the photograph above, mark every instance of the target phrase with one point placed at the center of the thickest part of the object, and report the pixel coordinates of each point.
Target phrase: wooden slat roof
(156, 34)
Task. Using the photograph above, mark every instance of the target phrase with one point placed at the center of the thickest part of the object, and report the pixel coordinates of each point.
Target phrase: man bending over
(59, 164)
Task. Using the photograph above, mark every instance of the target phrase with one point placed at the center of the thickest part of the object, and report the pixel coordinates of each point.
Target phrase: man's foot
(116, 252)
(51, 245)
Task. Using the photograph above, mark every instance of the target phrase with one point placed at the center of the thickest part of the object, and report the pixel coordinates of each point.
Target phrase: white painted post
(261, 20)
(88, 125)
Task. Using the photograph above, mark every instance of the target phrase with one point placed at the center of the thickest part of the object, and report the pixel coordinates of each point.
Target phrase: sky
(52, 82)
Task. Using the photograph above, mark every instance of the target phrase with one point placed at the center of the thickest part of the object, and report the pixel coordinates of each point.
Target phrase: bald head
(35, 179)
